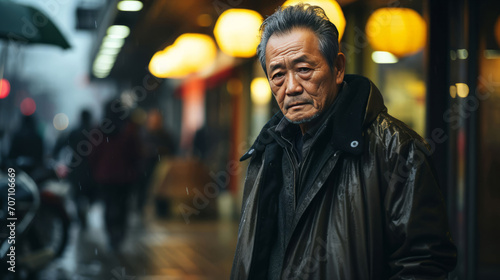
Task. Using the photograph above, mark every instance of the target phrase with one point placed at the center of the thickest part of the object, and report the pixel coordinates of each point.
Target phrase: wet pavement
(153, 249)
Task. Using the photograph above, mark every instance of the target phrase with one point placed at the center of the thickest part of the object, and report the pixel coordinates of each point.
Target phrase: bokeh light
(190, 53)
(384, 57)
(60, 121)
(332, 9)
(400, 31)
(4, 88)
(118, 31)
(260, 91)
(453, 91)
(130, 6)
(462, 90)
(237, 32)
(28, 106)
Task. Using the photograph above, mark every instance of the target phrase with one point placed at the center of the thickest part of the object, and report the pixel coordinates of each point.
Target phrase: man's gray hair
(301, 16)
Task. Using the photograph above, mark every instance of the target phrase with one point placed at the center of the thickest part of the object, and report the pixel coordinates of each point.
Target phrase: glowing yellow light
(60, 121)
(383, 57)
(237, 32)
(332, 10)
(260, 91)
(129, 6)
(416, 88)
(400, 31)
(190, 53)
(453, 91)
(118, 31)
(199, 50)
(167, 63)
(462, 90)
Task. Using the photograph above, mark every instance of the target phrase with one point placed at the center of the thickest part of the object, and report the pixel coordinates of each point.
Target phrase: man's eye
(304, 69)
(277, 75)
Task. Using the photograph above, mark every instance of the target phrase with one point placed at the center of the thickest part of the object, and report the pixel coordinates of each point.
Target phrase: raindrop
(107, 139)
(158, 157)
(95, 251)
(187, 191)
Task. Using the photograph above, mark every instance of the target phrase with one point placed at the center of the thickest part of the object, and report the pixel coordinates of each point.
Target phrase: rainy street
(153, 249)
(357, 138)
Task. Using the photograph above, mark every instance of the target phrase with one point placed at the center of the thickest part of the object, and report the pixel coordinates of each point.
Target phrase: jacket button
(354, 144)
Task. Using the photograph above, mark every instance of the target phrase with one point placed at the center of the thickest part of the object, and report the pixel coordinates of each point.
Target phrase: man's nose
(293, 86)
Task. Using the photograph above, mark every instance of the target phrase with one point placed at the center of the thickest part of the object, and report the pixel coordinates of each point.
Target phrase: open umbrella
(26, 24)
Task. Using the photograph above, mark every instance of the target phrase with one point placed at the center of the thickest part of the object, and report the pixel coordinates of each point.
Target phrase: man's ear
(340, 68)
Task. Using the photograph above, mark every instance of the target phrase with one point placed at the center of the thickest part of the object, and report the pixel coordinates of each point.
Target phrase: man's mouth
(295, 104)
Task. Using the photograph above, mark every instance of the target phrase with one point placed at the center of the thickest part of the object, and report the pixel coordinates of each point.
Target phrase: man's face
(300, 78)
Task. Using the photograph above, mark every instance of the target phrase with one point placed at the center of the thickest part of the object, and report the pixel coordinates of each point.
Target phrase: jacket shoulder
(393, 134)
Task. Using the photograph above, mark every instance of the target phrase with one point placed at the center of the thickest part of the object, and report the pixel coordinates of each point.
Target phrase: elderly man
(336, 188)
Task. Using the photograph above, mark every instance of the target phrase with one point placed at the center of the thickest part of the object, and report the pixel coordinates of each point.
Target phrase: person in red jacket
(114, 164)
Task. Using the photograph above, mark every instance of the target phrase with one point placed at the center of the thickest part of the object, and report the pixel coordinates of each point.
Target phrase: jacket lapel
(327, 168)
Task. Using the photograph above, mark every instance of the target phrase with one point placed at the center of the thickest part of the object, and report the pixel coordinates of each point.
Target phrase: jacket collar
(264, 137)
(358, 104)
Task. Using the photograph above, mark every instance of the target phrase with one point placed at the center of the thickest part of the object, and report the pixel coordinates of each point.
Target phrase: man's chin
(303, 120)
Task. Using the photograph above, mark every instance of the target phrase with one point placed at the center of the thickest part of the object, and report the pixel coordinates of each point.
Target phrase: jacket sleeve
(416, 229)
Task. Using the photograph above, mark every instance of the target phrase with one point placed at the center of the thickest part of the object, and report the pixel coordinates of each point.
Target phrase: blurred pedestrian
(84, 190)
(26, 150)
(114, 164)
(157, 144)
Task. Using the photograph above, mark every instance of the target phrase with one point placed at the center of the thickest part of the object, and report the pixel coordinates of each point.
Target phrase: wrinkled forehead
(297, 42)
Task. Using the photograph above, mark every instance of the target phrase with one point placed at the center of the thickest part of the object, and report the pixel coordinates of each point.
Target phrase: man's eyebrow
(275, 66)
(302, 58)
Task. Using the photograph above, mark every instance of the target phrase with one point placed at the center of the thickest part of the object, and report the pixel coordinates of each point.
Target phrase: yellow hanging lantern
(332, 10)
(400, 31)
(190, 53)
(237, 32)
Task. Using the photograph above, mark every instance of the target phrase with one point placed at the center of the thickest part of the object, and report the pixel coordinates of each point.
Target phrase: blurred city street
(156, 249)
(141, 110)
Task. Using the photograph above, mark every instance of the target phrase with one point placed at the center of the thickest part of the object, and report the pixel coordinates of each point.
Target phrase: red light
(28, 106)
(4, 88)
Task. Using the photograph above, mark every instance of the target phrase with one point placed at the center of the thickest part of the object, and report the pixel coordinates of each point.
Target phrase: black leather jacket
(372, 208)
